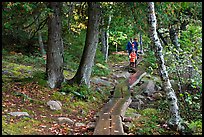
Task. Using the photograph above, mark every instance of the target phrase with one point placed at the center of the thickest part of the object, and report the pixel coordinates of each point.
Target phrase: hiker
(133, 58)
(135, 45)
(129, 46)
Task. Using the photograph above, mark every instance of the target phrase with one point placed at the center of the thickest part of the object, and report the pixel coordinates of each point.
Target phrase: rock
(100, 81)
(101, 66)
(77, 124)
(127, 119)
(65, 120)
(130, 134)
(91, 125)
(54, 105)
(158, 88)
(136, 105)
(150, 99)
(157, 95)
(126, 127)
(136, 115)
(63, 93)
(150, 89)
(19, 114)
(139, 97)
(123, 75)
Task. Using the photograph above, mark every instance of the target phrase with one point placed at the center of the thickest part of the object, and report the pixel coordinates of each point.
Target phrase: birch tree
(105, 36)
(175, 119)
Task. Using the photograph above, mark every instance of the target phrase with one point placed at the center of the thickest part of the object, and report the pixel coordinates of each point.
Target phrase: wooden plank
(103, 125)
(116, 125)
(134, 79)
(125, 106)
(121, 89)
(121, 106)
(108, 106)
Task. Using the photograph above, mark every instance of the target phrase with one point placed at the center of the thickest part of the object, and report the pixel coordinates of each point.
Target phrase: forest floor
(24, 90)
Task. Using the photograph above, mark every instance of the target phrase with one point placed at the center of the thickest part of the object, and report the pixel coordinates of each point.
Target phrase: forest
(62, 62)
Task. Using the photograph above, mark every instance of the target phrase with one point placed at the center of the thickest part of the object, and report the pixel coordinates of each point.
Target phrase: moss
(129, 112)
(149, 112)
(24, 126)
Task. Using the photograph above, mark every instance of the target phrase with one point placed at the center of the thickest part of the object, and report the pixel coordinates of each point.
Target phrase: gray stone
(127, 119)
(127, 126)
(91, 125)
(65, 120)
(100, 81)
(136, 105)
(139, 97)
(157, 95)
(123, 75)
(19, 114)
(54, 105)
(158, 88)
(63, 93)
(136, 115)
(150, 89)
(77, 124)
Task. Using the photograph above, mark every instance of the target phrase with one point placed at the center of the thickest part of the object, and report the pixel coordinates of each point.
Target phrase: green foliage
(118, 58)
(81, 92)
(40, 78)
(196, 127)
(150, 62)
(147, 123)
(149, 112)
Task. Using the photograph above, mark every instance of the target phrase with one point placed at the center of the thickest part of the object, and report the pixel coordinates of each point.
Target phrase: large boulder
(150, 88)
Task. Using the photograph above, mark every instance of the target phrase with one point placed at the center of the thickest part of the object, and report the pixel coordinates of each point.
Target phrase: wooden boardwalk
(110, 117)
(109, 121)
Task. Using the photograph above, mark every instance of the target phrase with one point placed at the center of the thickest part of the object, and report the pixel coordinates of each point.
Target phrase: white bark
(107, 36)
(104, 38)
(175, 119)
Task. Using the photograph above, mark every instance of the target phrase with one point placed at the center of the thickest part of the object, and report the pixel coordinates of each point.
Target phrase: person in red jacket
(133, 57)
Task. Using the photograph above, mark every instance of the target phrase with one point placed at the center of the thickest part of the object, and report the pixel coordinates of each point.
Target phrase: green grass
(25, 126)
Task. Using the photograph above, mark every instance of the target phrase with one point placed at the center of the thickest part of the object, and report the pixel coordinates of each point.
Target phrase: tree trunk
(84, 71)
(107, 36)
(174, 37)
(54, 66)
(42, 50)
(141, 48)
(70, 12)
(104, 38)
(175, 119)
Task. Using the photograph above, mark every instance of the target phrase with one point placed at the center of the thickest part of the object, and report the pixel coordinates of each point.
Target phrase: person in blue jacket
(129, 46)
(135, 45)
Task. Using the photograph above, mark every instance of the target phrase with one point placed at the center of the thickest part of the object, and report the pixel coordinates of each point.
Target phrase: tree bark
(107, 36)
(141, 48)
(175, 119)
(85, 68)
(42, 50)
(70, 13)
(54, 66)
(104, 38)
